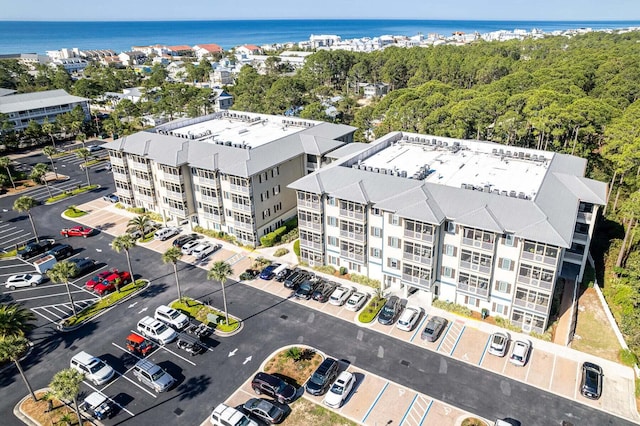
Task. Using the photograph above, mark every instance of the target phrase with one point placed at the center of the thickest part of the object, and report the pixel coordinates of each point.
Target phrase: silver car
(433, 329)
(408, 319)
(153, 376)
(498, 344)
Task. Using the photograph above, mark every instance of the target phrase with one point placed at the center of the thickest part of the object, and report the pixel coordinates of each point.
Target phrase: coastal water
(38, 37)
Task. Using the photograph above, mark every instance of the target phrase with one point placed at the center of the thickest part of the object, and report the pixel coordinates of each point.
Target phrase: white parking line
(179, 356)
(43, 315)
(132, 382)
(15, 266)
(46, 296)
(50, 312)
(57, 308)
(11, 247)
(8, 233)
(100, 392)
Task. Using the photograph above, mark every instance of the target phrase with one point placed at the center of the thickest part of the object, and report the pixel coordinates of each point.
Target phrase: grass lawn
(371, 310)
(105, 302)
(11, 253)
(96, 161)
(593, 333)
(305, 412)
(147, 238)
(70, 193)
(37, 411)
(199, 311)
(296, 370)
(74, 212)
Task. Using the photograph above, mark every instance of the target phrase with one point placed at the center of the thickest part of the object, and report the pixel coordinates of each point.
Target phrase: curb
(215, 330)
(26, 419)
(64, 329)
(71, 196)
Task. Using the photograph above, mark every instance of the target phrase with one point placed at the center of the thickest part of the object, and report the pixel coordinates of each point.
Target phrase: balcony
(126, 193)
(477, 244)
(243, 225)
(531, 306)
(241, 207)
(418, 236)
(241, 189)
(356, 236)
(469, 266)
(573, 257)
(352, 214)
(123, 177)
(215, 201)
(211, 216)
(312, 245)
(171, 178)
(180, 196)
(309, 204)
(310, 225)
(477, 291)
(144, 182)
(143, 197)
(352, 256)
(422, 283)
(143, 167)
(212, 183)
(585, 217)
(415, 258)
(539, 258)
(178, 212)
(534, 282)
(117, 161)
(580, 238)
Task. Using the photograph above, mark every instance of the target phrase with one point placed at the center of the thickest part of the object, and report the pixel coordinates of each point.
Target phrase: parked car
(35, 248)
(172, 317)
(295, 278)
(23, 280)
(520, 352)
(94, 369)
(153, 376)
(275, 387)
(112, 282)
(340, 390)
(223, 415)
(264, 409)
(184, 239)
(97, 405)
(390, 311)
(249, 274)
(267, 272)
(76, 231)
(324, 291)
(82, 266)
(306, 289)
(498, 343)
(44, 263)
(60, 251)
(156, 330)
(408, 319)
(112, 198)
(340, 295)
(591, 382)
(323, 377)
(188, 247)
(433, 329)
(204, 250)
(97, 279)
(136, 234)
(282, 275)
(356, 301)
(95, 148)
(138, 345)
(163, 234)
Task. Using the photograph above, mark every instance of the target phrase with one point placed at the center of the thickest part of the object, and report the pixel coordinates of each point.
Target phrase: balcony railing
(534, 282)
(241, 207)
(481, 292)
(477, 244)
(312, 244)
(580, 237)
(178, 212)
(123, 177)
(423, 260)
(210, 200)
(117, 161)
(144, 197)
(244, 225)
(126, 193)
(539, 258)
(357, 236)
(585, 217)
(309, 204)
(573, 257)
(143, 167)
(212, 183)
(144, 182)
(530, 306)
(418, 236)
(211, 216)
(352, 214)
(176, 195)
(423, 283)
(475, 267)
(167, 177)
(310, 225)
(239, 188)
(352, 256)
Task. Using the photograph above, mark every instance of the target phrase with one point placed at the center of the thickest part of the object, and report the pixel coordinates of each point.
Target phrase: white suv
(223, 415)
(94, 369)
(171, 317)
(156, 330)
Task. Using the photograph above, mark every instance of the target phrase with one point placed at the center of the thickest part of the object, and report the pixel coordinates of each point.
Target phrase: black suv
(390, 311)
(323, 377)
(34, 249)
(268, 384)
(184, 239)
(295, 278)
(82, 266)
(323, 292)
(61, 251)
(306, 289)
(591, 383)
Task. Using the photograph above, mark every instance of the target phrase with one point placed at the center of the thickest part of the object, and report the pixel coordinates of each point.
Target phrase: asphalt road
(270, 323)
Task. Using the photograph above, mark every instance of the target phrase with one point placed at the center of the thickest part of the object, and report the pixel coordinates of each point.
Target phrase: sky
(154, 10)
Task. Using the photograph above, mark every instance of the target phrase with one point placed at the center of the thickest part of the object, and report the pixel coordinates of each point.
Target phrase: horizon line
(328, 19)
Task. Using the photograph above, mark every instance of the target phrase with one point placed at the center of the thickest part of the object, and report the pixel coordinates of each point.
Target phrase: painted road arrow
(233, 352)
(143, 309)
(246, 360)
(133, 305)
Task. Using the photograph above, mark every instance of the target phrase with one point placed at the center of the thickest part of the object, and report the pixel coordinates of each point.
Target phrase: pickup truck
(35, 248)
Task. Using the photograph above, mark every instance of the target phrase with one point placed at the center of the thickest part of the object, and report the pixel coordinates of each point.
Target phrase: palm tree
(65, 385)
(60, 273)
(15, 320)
(82, 138)
(49, 128)
(124, 242)
(11, 349)
(24, 204)
(221, 271)
(139, 223)
(84, 154)
(39, 173)
(172, 255)
(50, 151)
(5, 162)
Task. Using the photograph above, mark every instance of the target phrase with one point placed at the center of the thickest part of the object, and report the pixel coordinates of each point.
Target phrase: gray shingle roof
(348, 149)
(28, 101)
(5, 92)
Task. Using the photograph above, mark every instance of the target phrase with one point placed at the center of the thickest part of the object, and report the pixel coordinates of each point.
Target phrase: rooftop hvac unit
(512, 194)
(228, 143)
(456, 143)
(535, 157)
(355, 166)
(423, 140)
(376, 170)
(487, 188)
(433, 141)
(521, 155)
(542, 158)
(403, 173)
(445, 143)
(501, 151)
(522, 196)
(369, 168)
(494, 151)
(383, 171)
(508, 153)
(463, 186)
(527, 156)
(439, 143)
(496, 191)
(405, 137)
(505, 193)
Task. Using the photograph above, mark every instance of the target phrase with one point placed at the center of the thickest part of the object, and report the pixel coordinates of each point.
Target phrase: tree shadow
(153, 290)
(105, 226)
(603, 236)
(193, 387)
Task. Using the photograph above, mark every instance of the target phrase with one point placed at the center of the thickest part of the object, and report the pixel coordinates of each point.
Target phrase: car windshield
(157, 374)
(27, 277)
(273, 412)
(498, 340)
(161, 329)
(281, 387)
(388, 310)
(337, 389)
(317, 378)
(592, 376)
(174, 314)
(97, 367)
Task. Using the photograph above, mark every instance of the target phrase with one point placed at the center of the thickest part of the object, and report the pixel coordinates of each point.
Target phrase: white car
(163, 234)
(94, 369)
(340, 295)
(498, 343)
(23, 280)
(202, 251)
(173, 318)
(188, 247)
(408, 319)
(356, 301)
(156, 330)
(340, 390)
(520, 352)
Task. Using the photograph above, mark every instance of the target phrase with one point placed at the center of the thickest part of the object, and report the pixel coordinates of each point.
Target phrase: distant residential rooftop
(483, 166)
(239, 129)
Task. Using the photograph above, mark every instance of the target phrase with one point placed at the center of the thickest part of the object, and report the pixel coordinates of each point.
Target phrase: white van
(156, 330)
(94, 369)
(171, 317)
(279, 269)
(166, 233)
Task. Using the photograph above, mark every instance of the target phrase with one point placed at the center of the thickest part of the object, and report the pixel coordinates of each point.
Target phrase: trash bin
(484, 313)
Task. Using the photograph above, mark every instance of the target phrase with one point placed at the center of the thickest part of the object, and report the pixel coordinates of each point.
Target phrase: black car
(34, 249)
(323, 292)
(294, 280)
(184, 239)
(390, 311)
(306, 289)
(323, 377)
(275, 387)
(83, 266)
(591, 384)
(60, 251)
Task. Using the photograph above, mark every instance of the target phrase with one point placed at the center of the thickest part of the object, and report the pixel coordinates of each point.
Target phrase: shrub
(452, 307)
(294, 353)
(119, 205)
(272, 238)
(291, 223)
(505, 323)
(361, 279)
(296, 248)
(326, 269)
(371, 310)
(343, 270)
(290, 236)
(154, 216)
(627, 357)
(280, 252)
(260, 263)
(136, 210)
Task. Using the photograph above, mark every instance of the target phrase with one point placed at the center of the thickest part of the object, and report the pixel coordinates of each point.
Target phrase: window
(376, 252)
(393, 242)
(275, 171)
(506, 264)
(332, 241)
(276, 190)
(509, 240)
(375, 211)
(394, 219)
(448, 272)
(393, 263)
(502, 287)
(331, 201)
(449, 250)
(376, 232)
(472, 301)
(450, 227)
(333, 260)
(500, 309)
(332, 221)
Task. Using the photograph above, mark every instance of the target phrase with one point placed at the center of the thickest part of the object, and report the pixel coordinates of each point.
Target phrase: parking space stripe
(444, 336)
(419, 327)
(100, 392)
(426, 412)
(553, 370)
(11, 247)
(43, 315)
(457, 340)
(133, 383)
(484, 352)
(179, 356)
(375, 401)
(408, 409)
(46, 296)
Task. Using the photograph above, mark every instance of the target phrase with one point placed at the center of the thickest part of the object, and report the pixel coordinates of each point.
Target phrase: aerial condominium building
(226, 171)
(483, 225)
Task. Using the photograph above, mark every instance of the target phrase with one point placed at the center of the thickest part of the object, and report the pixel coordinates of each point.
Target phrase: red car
(77, 231)
(93, 282)
(109, 283)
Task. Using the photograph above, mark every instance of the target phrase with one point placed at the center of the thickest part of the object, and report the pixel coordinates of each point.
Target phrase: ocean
(38, 37)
